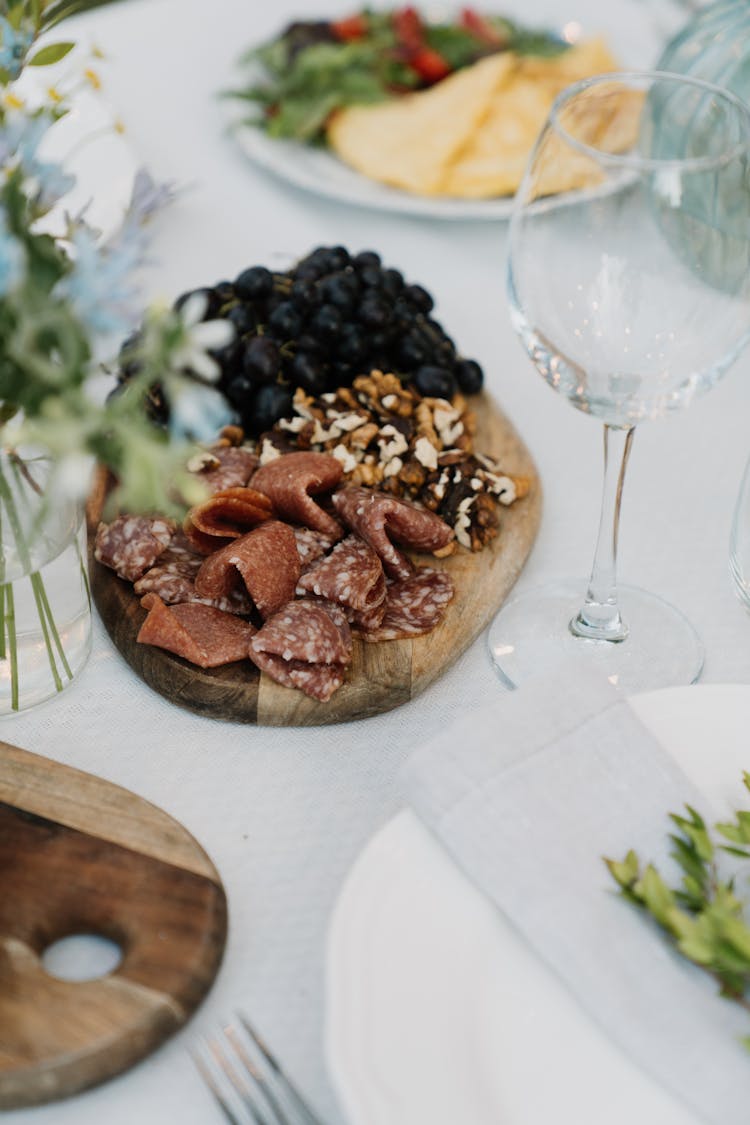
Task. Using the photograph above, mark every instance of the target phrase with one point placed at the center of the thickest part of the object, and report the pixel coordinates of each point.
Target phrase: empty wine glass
(629, 284)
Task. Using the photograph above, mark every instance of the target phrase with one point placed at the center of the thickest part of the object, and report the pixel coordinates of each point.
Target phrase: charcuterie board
(382, 676)
(79, 855)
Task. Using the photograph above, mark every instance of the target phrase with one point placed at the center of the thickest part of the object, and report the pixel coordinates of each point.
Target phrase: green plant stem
(44, 611)
(9, 627)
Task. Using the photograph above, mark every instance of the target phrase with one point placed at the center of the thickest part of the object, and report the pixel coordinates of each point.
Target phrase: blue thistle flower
(14, 46)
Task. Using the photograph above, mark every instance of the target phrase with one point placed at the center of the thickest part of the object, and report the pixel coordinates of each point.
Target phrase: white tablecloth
(283, 813)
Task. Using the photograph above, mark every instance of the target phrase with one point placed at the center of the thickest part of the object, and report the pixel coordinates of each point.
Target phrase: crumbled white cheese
(202, 462)
(476, 484)
(444, 417)
(450, 434)
(329, 396)
(425, 453)
(342, 454)
(393, 468)
(389, 401)
(466, 503)
(268, 452)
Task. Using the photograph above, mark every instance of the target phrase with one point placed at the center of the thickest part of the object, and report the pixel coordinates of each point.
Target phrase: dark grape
(338, 258)
(240, 390)
(374, 312)
(469, 376)
(228, 357)
(342, 374)
(366, 258)
(371, 276)
(254, 284)
(341, 290)
(308, 372)
(393, 282)
(327, 322)
(435, 382)
(304, 294)
(224, 291)
(269, 403)
(418, 297)
(286, 320)
(307, 271)
(352, 345)
(243, 319)
(411, 352)
(311, 344)
(261, 360)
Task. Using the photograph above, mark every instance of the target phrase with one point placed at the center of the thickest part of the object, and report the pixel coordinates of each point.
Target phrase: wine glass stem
(599, 618)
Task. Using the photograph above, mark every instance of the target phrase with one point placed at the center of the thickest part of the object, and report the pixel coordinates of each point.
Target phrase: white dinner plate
(437, 1013)
(635, 29)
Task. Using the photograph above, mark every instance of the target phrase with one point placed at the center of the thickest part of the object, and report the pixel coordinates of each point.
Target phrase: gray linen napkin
(527, 796)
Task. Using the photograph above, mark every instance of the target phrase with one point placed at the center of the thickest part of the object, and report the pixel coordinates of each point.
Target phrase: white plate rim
(361, 1093)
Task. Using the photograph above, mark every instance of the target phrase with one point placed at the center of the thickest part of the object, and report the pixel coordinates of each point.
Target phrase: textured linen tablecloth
(283, 813)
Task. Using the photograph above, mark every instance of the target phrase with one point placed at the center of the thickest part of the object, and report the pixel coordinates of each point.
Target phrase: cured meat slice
(307, 630)
(352, 575)
(199, 633)
(292, 480)
(173, 579)
(319, 681)
(312, 545)
(379, 518)
(367, 620)
(413, 606)
(266, 560)
(225, 515)
(130, 545)
(236, 466)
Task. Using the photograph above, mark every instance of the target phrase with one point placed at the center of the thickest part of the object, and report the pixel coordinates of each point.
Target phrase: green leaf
(50, 54)
(626, 872)
(657, 896)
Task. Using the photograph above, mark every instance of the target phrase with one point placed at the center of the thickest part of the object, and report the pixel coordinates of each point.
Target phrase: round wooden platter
(381, 676)
(79, 855)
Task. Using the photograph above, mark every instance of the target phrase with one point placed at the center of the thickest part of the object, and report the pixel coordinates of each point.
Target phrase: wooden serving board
(79, 855)
(382, 676)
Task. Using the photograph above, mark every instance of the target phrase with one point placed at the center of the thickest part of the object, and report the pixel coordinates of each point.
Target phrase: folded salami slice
(173, 579)
(312, 545)
(319, 681)
(308, 630)
(351, 575)
(199, 633)
(225, 515)
(130, 545)
(379, 518)
(413, 606)
(306, 645)
(292, 480)
(236, 466)
(266, 560)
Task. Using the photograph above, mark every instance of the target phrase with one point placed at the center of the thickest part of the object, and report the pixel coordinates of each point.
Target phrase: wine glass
(629, 284)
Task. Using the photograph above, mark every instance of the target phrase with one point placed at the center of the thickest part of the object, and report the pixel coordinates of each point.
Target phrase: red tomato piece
(353, 27)
(482, 28)
(407, 24)
(429, 65)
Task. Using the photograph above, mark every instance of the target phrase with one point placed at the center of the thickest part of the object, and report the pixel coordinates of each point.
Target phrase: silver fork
(247, 1080)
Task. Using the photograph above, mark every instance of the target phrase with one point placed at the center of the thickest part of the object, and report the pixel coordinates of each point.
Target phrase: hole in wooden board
(81, 957)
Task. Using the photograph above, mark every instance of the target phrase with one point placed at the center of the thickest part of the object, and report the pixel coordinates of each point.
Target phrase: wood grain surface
(382, 676)
(80, 855)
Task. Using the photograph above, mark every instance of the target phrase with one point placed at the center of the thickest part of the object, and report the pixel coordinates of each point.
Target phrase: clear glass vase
(45, 605)
(739, 545)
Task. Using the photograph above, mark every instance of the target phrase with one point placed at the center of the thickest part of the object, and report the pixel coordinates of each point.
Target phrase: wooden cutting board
(79, 855)
(382, 676)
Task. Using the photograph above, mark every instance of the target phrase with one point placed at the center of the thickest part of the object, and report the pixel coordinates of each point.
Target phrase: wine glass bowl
(629, 285)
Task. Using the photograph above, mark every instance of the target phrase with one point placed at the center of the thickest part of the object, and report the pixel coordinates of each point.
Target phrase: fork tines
(247, 1080)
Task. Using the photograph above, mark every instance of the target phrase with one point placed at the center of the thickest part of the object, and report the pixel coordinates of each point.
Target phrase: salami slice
(319, 681)
(266, 560)
(236, 466)
(413, 606)
(379, 518)
(292, 480)
(199, 633)
(312, 545)
(225, 515)
(306, 630)
(173, 579)
(351, 575)
(130, 545)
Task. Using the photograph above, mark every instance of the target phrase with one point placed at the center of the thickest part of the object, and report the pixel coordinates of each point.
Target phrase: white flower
(198, 336)
(197, 412)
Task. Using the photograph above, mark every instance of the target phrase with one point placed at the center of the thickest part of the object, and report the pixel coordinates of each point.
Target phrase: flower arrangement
(68, 296)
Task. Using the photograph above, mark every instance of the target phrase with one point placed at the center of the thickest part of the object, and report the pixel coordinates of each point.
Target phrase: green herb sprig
(703, 916)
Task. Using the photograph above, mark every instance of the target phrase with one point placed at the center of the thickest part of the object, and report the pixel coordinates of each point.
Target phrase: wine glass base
(531, 636)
